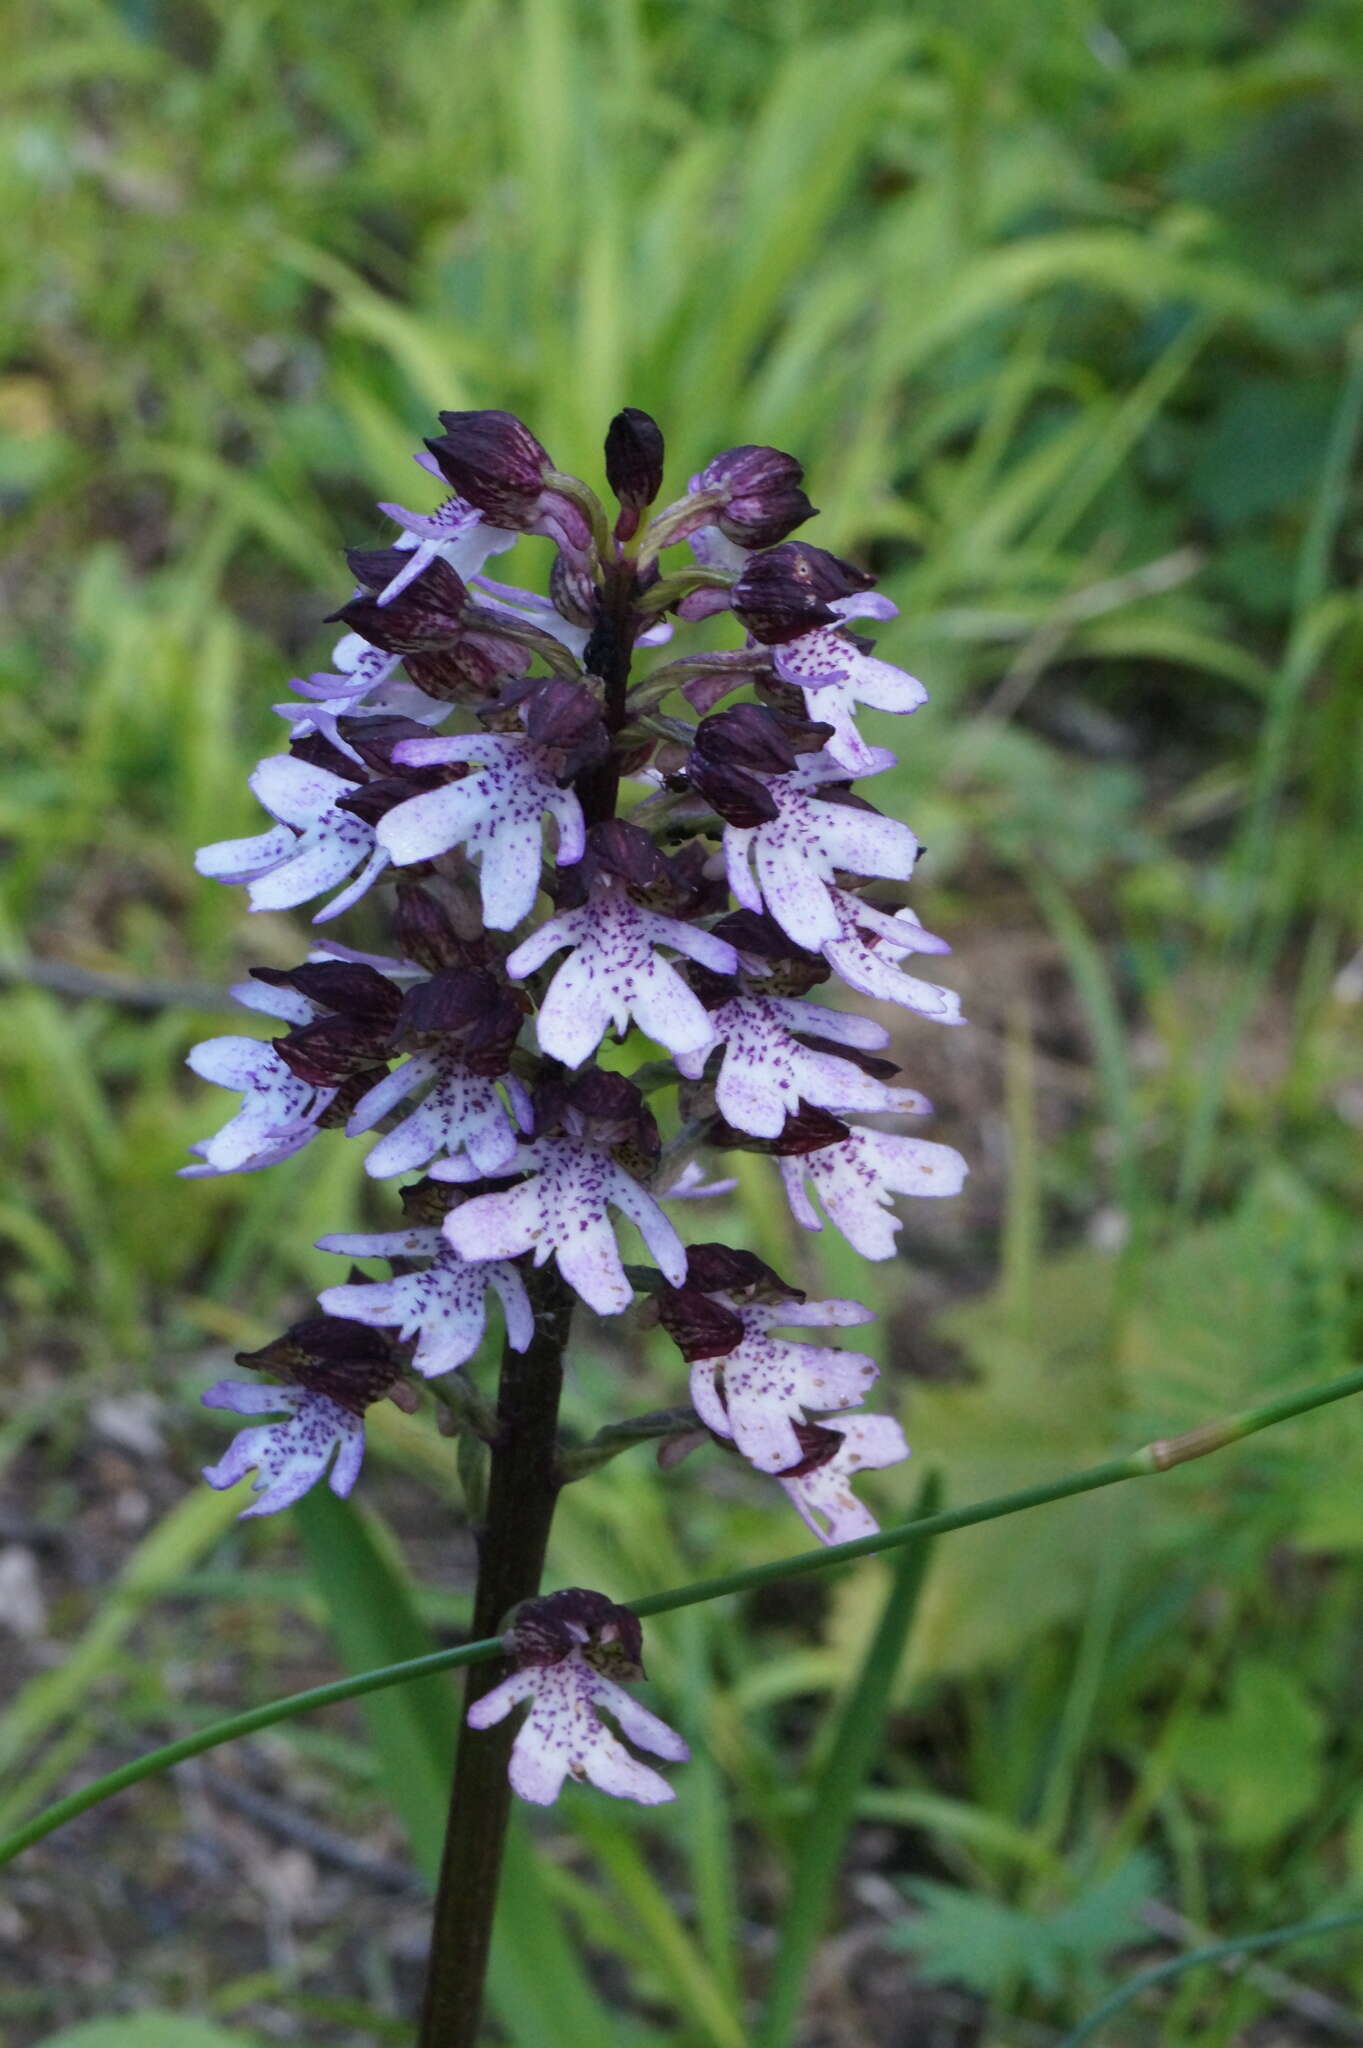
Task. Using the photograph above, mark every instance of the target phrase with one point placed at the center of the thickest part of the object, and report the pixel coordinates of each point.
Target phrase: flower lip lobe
(571, 1650)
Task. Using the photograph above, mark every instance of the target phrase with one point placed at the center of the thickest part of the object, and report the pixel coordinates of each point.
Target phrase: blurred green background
(1061, 308)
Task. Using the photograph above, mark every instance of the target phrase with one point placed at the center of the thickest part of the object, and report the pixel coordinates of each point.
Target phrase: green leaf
(852, 1750)
(148, 2030)
(1258, 1759)
(375, 1621)
(995, 1949)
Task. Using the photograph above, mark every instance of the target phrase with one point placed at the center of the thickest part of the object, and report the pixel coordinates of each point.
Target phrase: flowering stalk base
(522, 1491)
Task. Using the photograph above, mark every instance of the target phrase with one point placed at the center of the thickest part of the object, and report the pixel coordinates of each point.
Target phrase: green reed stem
(1155, 1457)
(1216, 1952)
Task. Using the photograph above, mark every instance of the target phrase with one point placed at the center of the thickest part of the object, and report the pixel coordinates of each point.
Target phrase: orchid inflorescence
(708, 873)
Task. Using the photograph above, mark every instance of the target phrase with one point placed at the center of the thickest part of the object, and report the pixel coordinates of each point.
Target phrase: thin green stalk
(1218, 1952)
(850, 1758)
(1154, 1457)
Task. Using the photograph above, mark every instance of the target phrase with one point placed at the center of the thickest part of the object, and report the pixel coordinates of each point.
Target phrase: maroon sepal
(699, 1327)
(466, 1009)
(351, 1363)
(724, 1269)
(424, 932)
(603, 1108)
(546, 1630)
(806, 1129)
(819, 1446)
(319, 752)
(347, 988)
(427, 614)
(789, 590)
(331, 1049)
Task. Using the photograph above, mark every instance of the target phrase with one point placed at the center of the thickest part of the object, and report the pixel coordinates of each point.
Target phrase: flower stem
(522, 1491)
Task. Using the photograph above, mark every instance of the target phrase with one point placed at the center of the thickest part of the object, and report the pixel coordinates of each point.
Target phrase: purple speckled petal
(238, 860)
(496, 812)
(495, 1705)
(770, 1381)
(824, 1497)
(563, 1736)
(856, 1179)
(289, 1455)
(866, 951)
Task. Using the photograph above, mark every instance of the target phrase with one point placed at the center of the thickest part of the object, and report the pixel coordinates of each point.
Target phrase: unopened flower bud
(634, 465)
(494, 461)
(760, 496)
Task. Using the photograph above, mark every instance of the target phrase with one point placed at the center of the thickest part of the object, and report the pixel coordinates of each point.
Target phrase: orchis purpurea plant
(570, 850)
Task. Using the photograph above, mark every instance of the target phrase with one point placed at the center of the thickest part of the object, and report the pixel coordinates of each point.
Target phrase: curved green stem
(1151, 1458)
(1217, 1952)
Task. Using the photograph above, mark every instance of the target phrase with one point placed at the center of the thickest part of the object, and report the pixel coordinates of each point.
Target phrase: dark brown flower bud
(634, 465)
(699, 1327)
(494, 461)
(791, 589)
(763, 501)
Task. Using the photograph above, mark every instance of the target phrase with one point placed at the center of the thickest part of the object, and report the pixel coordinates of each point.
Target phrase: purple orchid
(766, 1072)
(291, 1454)
(867, 951)
(855, 1179)
(836, 675)
(443, 1306)
(562, 1211)
(456, 532)
(461, 1113)
(280, 1112)
(760, 1390)
(567, 1649)
(496, 812)
(485, 1042)
(796, 854)
(615, 974)
(821, 1491)
(314, 846)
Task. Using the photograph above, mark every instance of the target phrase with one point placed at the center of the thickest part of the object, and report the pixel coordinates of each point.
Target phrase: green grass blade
(374, 1620)
(850, 1758)
(535, 1981)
